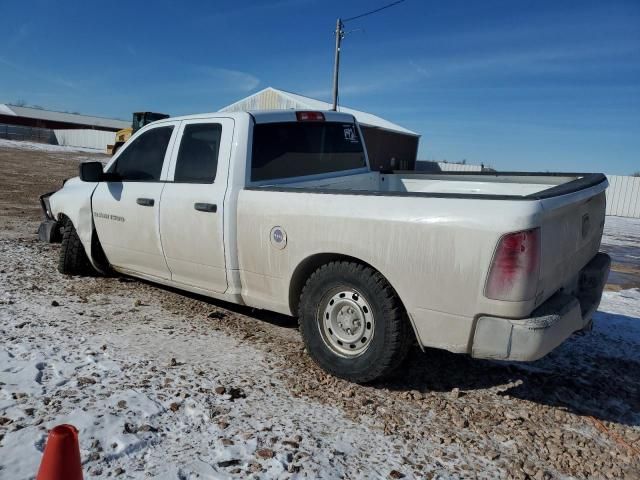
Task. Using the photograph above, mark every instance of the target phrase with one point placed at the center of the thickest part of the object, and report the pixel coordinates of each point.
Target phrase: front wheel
(73, 258)
(352, 322)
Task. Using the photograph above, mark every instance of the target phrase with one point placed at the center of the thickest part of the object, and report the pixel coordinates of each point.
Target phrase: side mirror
(91, 172)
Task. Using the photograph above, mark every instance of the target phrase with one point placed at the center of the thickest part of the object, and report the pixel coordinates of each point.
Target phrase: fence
(31, 134)
(96, 139)
(623, 196)
(84, 138)
(429, 166)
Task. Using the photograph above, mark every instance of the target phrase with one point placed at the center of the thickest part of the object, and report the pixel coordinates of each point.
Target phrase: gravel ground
(172, 385)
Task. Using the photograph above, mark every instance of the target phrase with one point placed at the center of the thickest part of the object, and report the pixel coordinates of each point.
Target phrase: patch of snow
(618, 319)
(43, 147)
(621, 231)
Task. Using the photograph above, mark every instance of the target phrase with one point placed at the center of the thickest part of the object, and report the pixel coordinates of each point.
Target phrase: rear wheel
(73, 258)
(352, 322)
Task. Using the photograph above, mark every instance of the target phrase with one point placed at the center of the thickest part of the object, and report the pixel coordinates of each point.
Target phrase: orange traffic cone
(61, 459)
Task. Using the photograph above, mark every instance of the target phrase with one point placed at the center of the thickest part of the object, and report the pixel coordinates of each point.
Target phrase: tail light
(310, 116)
(515, 268)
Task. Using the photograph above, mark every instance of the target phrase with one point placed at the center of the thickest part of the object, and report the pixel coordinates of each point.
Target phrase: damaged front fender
(73, 201)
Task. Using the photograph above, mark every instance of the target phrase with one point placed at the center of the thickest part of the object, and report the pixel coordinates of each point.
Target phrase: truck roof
(268, 116)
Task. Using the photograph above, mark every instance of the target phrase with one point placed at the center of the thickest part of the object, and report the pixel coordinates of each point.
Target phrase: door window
(143, 159)
(198, 155)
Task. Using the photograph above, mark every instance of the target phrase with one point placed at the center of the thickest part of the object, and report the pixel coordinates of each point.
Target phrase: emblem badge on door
(278, 237)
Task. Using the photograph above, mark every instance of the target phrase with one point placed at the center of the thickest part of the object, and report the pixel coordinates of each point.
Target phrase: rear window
(198, 154)
(297, 149)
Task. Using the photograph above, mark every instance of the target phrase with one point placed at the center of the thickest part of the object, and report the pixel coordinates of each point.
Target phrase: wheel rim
(346, 322)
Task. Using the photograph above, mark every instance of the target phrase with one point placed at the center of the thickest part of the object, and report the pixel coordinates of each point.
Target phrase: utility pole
(336, 65)
(339, 36)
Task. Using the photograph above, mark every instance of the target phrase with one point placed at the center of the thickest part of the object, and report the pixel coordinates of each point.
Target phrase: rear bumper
(550, 324)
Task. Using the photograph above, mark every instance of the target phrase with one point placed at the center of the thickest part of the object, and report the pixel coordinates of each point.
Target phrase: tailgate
(571, 229)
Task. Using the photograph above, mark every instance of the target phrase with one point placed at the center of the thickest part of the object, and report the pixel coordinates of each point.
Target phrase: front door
(192, 205)
(126, 211)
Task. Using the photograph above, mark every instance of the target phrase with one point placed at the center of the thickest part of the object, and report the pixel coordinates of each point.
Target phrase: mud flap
(586, 329)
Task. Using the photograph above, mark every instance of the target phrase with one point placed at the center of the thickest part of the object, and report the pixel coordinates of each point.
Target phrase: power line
(373, 11)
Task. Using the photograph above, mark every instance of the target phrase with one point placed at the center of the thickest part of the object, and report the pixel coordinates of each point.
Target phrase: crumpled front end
(49, 229)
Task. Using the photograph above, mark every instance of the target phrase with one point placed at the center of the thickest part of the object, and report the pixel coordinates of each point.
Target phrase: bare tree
(636, 174)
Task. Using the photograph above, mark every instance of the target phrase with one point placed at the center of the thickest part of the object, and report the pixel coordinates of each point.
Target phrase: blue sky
(522, 85)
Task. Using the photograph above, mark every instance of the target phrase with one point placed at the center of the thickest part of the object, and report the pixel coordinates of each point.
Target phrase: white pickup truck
(280, 211)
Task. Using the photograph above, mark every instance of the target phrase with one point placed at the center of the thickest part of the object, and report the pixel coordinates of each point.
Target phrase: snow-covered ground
(43, 147)
(141, 412)
(619, 320)
(621, 240)
(622, 231)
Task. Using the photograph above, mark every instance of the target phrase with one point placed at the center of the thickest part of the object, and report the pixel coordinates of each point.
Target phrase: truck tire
(352, 322)
(73, 258)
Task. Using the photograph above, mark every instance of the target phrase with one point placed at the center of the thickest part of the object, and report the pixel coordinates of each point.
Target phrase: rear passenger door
(192, 205)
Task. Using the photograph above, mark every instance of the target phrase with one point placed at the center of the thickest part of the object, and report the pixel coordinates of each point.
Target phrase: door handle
(206, 207)
(145, 202)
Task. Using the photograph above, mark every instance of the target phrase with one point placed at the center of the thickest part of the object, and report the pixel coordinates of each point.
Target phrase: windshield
(297, 149)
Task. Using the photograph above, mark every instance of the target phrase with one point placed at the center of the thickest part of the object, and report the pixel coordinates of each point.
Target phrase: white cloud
(549, 60)
(205, 81)
(46, 76)
(227, 79)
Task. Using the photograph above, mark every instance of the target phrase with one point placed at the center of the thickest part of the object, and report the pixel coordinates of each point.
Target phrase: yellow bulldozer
(140, 119)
